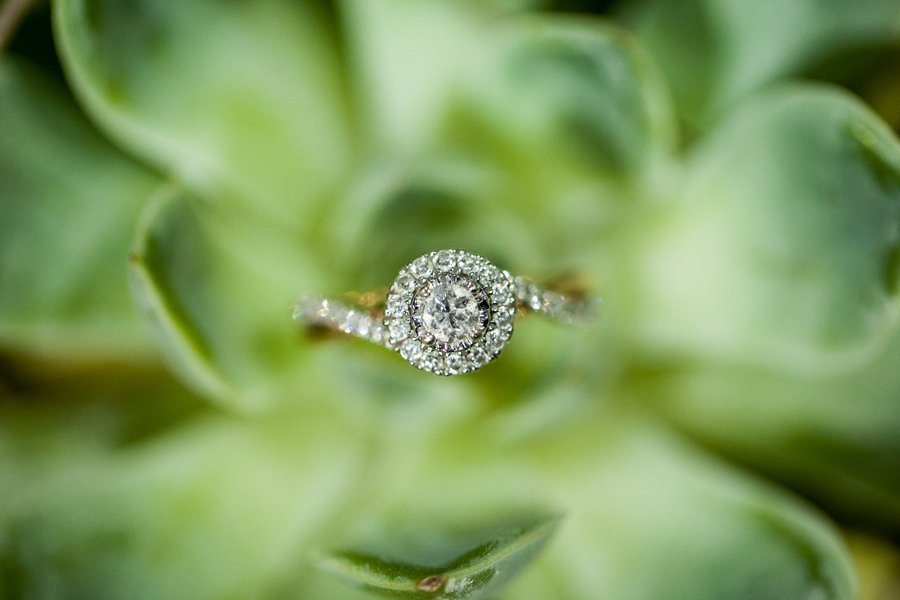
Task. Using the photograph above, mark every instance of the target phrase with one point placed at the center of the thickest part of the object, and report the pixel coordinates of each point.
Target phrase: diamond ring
(447, 312)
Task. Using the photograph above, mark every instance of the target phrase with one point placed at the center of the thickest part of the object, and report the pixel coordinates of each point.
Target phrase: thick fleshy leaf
(651, 517)
(835, 437)
(433, 77)
(240, 98)
(209, 508)
(636, 500)
(408, 61)
(783, 251)
(543, 135)
(219, 285)
(68, 204)
(579, 91)
(715, 51)
(481, 570)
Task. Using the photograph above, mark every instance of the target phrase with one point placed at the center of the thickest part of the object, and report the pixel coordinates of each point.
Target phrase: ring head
(450, 312)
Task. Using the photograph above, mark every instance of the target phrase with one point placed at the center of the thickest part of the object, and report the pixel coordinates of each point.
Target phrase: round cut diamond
(451, 312)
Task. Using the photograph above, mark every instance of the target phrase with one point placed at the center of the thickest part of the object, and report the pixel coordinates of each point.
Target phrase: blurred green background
(725, 174)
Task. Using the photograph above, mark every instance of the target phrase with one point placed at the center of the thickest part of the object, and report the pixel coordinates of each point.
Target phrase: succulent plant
(722, 431)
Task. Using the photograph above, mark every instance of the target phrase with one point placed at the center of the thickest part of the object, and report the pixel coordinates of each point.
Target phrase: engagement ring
(447, 312)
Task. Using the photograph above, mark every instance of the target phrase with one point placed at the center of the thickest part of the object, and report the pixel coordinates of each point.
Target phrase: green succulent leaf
(407, 64)
(715, 51)
(222, 311)
(637, 500)
(68, 202)
(318, 148)
(479, 571)
(536, 119)
(201, 108)
(783, 251)
(580, 90)
(779, 341)
(422, 70)
(165, 296)
(110, 515)
(835, 437)
(647, 502)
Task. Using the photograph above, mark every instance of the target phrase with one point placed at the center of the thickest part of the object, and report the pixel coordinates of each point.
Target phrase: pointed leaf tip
(470, 575)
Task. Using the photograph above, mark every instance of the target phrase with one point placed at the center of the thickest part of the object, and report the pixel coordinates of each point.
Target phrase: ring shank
(566, 308)
(320, 312)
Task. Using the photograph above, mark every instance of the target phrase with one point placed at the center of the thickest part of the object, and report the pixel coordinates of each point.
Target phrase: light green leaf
(68, 204)
(575, 91)
(715, 51)
(479, 571)
(408, 62)
(637, 500)
(219, 285)
(206, 508)
(240, 99)
(549, 120)
(783, 250)
(835, 437)
(436, 77)
(649, 516)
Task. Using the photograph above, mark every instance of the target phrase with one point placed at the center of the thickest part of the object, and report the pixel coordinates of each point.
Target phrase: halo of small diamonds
(450, 312)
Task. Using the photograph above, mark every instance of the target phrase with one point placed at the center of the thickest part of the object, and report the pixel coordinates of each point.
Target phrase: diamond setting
(450, 312)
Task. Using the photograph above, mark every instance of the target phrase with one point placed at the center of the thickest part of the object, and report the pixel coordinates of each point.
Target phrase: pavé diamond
(445, 260)
(405, 283)
(422, 267)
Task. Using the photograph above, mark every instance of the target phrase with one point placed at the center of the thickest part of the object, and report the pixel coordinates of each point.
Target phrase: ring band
(447, 312)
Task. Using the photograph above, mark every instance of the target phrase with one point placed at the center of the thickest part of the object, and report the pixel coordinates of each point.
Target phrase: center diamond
(450, 312)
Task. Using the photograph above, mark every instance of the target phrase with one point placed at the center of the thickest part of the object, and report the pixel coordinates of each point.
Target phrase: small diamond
(505, 316)
(338, 313)
(501, 287)
(405, 283)
(445, 260)
(495, 340)
(377, 334)
(456, 363)
(438, 361)
(350, 322)
(553, 303)
(364, 327)
(396, 307)
(411, 350)
(524, 289)
(324, 310)
(421, 267)
(478, 356)
(399, 330)
(467, 263)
